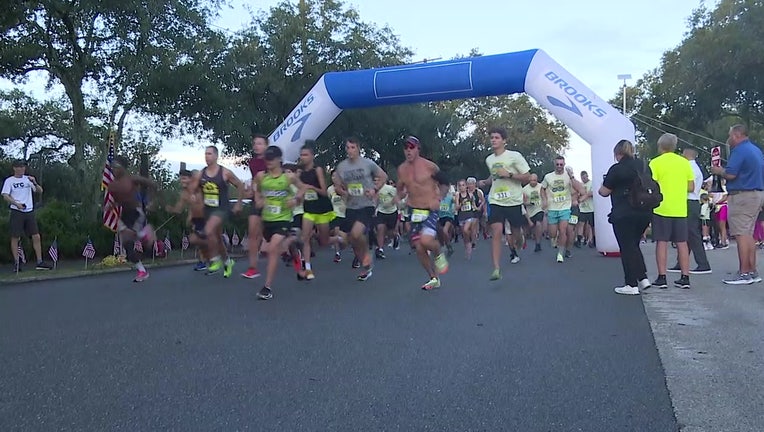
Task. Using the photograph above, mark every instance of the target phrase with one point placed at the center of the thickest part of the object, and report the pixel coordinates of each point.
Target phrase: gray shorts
(23, 224)
(670, 229)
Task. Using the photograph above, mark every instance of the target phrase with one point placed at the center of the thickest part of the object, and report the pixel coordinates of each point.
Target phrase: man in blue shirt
(745, 196)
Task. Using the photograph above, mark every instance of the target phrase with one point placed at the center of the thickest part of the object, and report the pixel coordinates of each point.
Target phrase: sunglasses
(410, 146)
(562, 165)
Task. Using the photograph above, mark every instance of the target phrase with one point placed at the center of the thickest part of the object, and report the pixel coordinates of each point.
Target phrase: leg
(496, 232)
(683, 252)
(255, 227)
(37, 245)
(306, 236)
(15, 250)
(694, 239)
(358, 240)
(661, 255)
(424, 259)
(273, 249)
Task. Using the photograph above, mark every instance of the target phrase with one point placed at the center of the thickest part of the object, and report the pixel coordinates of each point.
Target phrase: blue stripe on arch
(454, 79)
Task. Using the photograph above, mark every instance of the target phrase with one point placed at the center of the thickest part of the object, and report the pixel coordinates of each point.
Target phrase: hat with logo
(19, 163)
(272, 152)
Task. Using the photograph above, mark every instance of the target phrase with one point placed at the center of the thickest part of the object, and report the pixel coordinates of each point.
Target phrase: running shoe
(200, 266)
(496, 275)
(251, 273)
(228, 271)
(141, 276)
(431, 284)
(265, 294)
(214, 266)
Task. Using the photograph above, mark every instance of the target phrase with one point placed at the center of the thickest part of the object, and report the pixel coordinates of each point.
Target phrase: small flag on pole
(245, 242)
(138, 246)
(53, 251)
(167, 243)
(226, 239)
(22, 256)
(235, 238)
(117, 246)
(184, 243)
(89, 251)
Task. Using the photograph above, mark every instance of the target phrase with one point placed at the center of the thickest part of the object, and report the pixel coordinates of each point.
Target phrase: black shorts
(363, 215)
(198, 225)
(340, 223)
(537, 218)
(390, 220)
(669, 229)
(132, 219)
(297, 221)
(442, 221)
(272, 228)
(514, 215)
(587, 218)
(23, 224)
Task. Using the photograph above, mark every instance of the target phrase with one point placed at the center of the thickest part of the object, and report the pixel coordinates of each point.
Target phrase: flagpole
(55, 263)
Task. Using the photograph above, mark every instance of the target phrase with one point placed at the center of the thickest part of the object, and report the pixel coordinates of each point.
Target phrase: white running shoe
(627, 290)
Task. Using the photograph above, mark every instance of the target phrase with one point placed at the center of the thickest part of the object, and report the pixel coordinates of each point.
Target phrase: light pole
(624, 77)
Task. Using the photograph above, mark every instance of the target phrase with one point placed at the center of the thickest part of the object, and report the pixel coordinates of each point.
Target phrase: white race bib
(503, 195)
(559, 198)
(573, 219)
(467, 206)
(444, 207)
(273, 209)
(419, 215)
(311, 195)
(355, 189)
(211, 201)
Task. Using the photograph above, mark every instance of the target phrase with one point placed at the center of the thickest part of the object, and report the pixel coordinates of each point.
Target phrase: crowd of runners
(299, 207)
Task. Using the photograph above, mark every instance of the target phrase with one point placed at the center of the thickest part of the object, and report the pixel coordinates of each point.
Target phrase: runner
(255, 220)
(276, 198)
(293, 255)
(558, 187)
(132, 223)
(339, 223)
(192, 200)
(509, 171)
(422, 179)
(586, 218)
(469, 211)
(386, 217)
(318, 207)
(447, 221)
(360, 178)
(532, 199)
(213, 180)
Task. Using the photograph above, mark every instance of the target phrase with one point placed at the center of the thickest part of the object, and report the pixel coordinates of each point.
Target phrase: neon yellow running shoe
(228, 268)
(215, 266)
(496, 275)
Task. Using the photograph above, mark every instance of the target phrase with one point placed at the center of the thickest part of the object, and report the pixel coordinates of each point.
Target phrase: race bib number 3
(311, 195)
(355, 189)
(559, 198)
(419, 215)
(501, 195)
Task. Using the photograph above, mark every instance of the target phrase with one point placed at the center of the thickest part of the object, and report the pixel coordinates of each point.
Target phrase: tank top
(214, 190)
(467, 205)
(313, 202)
(276, 191)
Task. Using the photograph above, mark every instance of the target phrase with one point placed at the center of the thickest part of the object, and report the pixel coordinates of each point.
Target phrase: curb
(85, 273)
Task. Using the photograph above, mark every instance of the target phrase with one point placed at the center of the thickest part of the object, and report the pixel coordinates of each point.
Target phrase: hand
(370, 193)
(291, 203)
(717, 170)
(33, 180)
(237, 207)
(501, 172)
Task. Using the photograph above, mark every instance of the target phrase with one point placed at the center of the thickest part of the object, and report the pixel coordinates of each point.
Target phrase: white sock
(308, 266)
(139, 266)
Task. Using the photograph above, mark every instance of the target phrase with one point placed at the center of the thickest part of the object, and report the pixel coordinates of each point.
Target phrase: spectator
(745, 182)
(694, 230)
(675, 178)
(17, 191)
(628, 223)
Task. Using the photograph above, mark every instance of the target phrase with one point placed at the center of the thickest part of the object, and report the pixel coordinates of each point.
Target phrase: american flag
(167, 243)
(117, 246)
(53, 251)
(245, 242)
(138, 246)
(184, 243)
(226, 239)
(22, 257)
(111, 211)
(235, 238)
(89, 251)
(156, 248)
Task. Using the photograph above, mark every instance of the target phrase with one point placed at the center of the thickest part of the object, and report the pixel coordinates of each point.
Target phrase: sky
(595, 40)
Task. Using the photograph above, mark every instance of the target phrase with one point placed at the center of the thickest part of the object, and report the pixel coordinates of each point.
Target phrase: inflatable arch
(532, 72)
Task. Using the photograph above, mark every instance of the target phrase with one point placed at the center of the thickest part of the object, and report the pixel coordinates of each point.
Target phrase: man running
(558, 187)
(361, 179)
(276, 197)
(469, 205)
(255, 220)
(213, 181)
(509, 171)
(386, 218)
(317, 206)
(192, 199)
(586, 206)
(532, 200)
(133, 226)
(422, 179)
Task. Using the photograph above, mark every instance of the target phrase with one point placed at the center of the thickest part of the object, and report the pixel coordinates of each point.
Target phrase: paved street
(548, 348)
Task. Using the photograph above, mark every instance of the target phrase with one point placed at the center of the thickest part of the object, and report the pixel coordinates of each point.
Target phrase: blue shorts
(428, 226)
(556, 216)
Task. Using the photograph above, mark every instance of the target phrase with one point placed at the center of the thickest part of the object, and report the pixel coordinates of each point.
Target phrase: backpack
(645, 192)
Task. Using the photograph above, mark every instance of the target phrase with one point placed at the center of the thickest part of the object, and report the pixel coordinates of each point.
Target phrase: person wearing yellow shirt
(557, 197)
(675, 177)
(508, 172)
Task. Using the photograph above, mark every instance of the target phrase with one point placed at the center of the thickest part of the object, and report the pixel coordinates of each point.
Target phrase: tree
(40, 127)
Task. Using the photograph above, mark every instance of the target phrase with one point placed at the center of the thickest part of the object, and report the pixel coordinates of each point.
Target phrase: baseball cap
(272, 152)
(19, 163)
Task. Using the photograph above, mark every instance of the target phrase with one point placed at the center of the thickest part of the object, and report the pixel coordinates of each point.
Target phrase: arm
(37, 187)
(322, 182)
(301, 187)
(691, 186)
(231, 178)
(380, 178)
(257, 194)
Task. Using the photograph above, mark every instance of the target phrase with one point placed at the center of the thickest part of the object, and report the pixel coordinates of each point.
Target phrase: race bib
(273, 209)
(419, 215)
(573, 219)
(211, 201)
(466, 206)
(355, 189)
(501, 195)
(444, 207)
(311, 195)
(559, 198)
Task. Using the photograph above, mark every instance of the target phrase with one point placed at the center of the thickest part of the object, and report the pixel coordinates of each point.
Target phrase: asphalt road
(548, 348)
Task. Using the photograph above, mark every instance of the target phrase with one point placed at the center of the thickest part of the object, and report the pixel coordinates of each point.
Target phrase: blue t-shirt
(747, 163)
(447, 206)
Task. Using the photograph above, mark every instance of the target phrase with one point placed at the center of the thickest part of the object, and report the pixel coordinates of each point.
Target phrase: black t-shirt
(619, 179)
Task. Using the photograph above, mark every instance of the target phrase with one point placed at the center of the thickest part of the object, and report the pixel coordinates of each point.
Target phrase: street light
(624, 77)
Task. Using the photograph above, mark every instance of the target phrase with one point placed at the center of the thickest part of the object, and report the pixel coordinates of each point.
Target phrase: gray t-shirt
(358, 177)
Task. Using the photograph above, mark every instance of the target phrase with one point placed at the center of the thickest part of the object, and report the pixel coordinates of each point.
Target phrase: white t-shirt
(506, 192)
(21, 190)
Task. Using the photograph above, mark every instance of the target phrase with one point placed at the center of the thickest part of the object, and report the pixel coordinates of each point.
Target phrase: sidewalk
(711, 342)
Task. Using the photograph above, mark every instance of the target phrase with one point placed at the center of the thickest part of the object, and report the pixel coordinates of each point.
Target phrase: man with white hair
(674, 175)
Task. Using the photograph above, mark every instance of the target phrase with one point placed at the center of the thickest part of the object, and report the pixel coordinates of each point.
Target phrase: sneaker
(755, 277)
(214, 267)
(309, 275)
(441, 264)
(515, 259)
(431, 284)
(644, 284)
(42, 266)
(265, 294)
(228, 271)
(739, 279)
(675, 269)
(660, 282)
(496, 275)
(200, 266)
(363, 277)
(356, 263)
(683, 282)
(701, 271)
(537, 248)
(397, 242)
(627, 290)
(141, 276)
(560, 258)
(251, 273)
(337, 257)
(380, 253)
(568, 254)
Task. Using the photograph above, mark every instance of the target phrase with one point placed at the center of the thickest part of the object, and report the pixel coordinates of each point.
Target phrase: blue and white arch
(532, 72)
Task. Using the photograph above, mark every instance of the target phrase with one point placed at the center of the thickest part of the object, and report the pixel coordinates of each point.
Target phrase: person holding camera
(17, 191)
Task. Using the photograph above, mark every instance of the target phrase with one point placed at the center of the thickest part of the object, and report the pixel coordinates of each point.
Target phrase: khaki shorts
(742, 210)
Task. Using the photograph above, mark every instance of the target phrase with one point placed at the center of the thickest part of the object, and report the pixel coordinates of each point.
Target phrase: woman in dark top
(628, 223)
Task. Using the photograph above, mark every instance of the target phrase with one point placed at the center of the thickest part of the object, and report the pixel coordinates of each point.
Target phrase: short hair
(185, 173)
(740, 129)
(122, 161)
(259, 135)
(624, 148)
(559, 157)
(692, 150)
(471, 180)
(353, 140)
(498, 130)
(667, 142)
(289, 166)
(213, 148)
(584, 172)
(309, 145)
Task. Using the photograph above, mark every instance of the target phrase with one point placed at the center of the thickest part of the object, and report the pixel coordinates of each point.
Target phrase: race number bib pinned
(501, 194)
(311, 195)
(355, 189)
(273, 209)
(419, 215)
(444, 207)
(559, 197)
(466, 206)
(211, 200)
(573, 219)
